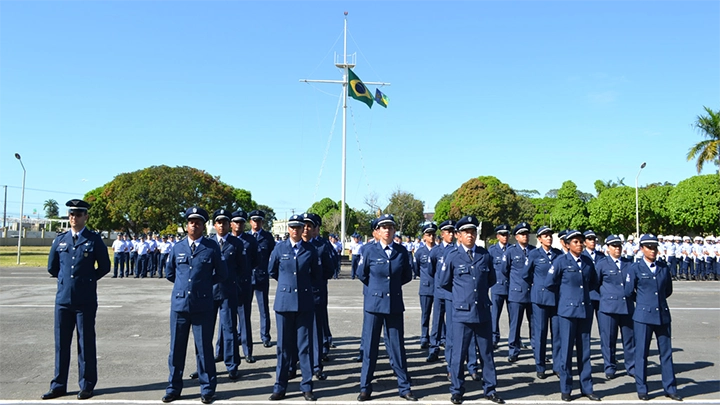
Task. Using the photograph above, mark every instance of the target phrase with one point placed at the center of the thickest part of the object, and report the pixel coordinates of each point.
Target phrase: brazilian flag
(357, 89)
(381, 98)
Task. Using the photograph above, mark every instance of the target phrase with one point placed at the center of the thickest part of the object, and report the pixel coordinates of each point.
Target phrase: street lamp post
(22, 203)
(637, 210)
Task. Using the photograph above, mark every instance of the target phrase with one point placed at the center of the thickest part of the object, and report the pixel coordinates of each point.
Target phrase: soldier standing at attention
(118, 247)
(384, 268)
(468, 273)
(573, 276)
(244, 285)
(260, 280)
(295, 265)
(650, 283)
(194, 266)
(514, 261)
(72, 260)
(425, 269)
(355, 250)
(438, 332)
(499, 291)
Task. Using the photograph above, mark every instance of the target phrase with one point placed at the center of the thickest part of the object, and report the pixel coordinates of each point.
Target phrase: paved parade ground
(133, 338)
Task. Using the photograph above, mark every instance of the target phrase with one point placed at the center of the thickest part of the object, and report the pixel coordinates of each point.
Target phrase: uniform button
(623, 297)
(476, 302)
(388, 277)
(621, 284)
(188, 292)
(475, 290)
(189, 280)
(581, 286)
(388, 294)
(72, 267)
(190, 267)
(473, 278)
(296, 290)
(71, 276)
(582, 303)
(653, 278)
(294, 272)
(657, 309)
(73, 257)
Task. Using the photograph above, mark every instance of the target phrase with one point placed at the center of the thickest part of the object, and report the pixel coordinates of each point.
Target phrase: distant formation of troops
(463, 289)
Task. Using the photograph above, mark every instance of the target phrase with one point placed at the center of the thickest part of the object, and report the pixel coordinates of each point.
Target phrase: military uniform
(438, 334)
(260, 280)
(425, 269)
(499, 291)
(194, 266)
(514, 261)
(118, 247)
(72, 261)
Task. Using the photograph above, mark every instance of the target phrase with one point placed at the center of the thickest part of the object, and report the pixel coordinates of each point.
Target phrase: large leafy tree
(708, 150)
(613, 211)
(542, 212)
(654, 213)
(694, 203)
(407, 210)
(99, 216)
(270, 216)
(155, 198)
(488, 199)
(52, 209)
(442, 208)
(570, 211)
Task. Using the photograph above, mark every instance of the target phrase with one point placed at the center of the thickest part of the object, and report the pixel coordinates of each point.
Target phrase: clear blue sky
(534, 93)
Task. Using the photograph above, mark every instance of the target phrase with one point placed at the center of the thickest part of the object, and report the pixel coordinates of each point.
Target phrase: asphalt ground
(133, 338)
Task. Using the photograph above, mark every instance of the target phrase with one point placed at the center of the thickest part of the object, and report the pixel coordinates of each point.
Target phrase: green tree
(694, 205)
(362, 222)
(323, 207)
(99, 217)
(408, 212)
(243, 200)
(543, 212)
(570, 210)
(442, 208)
(52, 209)
(655, 216)
(270, 216)
(602, 185)
(488, 199)
(707, 151)
(613, 211)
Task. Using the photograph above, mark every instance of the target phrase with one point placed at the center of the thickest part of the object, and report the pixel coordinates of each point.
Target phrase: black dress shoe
(609, 376)
(218, 359)
(456, 399)
(320, 375)
(84, 394)
(674, 397)
(644, 397)
(424, 345)
(53, 393)
(433, 357)
(476, 377)
(495, 398)
(592, 397)
(234, 374)
(364, 396)
(276, 396)
(566, 397)
(541, 376)
(194, 375)
(309, 396)
(512, 359)
(409, 397)
(325, 358)
(250, 359)
(267, 343)
(207, 399)
(170, 397)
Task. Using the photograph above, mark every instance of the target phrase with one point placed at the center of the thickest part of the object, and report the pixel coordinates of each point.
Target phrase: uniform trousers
(542, 316)
(261, 295)
(643, 335)
(354, 265)
(67, 319)
(161, 265)
(319, 320)
(498, 301)
(466, 336)
(125, 265)
(672, 265)
(426, 305)
(142, 266)
(327, 335)
(133, 262)
(244, 324)
(117, 262)
(608, 324)
(294, 341)
(202, 325)
(227, 332)
(575, 332)
(515, 313)
(438, 328)
(394, 344)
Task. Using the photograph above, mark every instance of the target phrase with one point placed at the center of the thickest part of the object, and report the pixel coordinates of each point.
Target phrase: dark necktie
(652, 267)
(470, 254)
(549, 255)
(617, 263)
(74, 239)
(579, 262)
(192, 248)
(256, 234)
(525, 252)
(222, 243)
(388, 251)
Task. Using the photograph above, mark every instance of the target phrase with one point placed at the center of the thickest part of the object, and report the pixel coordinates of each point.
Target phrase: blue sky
(534, 93)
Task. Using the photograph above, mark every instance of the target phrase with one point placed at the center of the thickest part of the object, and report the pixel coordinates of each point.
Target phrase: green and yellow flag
(357, 89)
(381, 98)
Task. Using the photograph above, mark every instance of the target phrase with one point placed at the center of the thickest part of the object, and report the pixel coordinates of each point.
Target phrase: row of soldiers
(558, 290)
(141, 256)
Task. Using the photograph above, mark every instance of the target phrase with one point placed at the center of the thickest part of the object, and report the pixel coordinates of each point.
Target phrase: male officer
(384, 268)
(468, 273)
(650, 283)
(671, 253)
(195, 264)
(710, 252)
(686, 266)
(629, 248)
(142, 257)
(152, 248)
(225, 293)
(72, 261)
(118, 247)
(615, 309)
(698, 258)
(438, 334)
(164, 248)
(133, 255)
(544, 301)
(425, 269)
(245, 290)
(573, 276)
(594, 255)
(127, 248)
(355, 246)
(260, 281)
(499, 291)
(514, 261)
(561, 238)
(295, 265)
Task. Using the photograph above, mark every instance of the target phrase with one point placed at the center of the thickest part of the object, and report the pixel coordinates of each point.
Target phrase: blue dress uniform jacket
(544, 306)
(73, 264)
(615, 311)
(245, 293)
(193, 275)
(652, 316)
(261, 282)
(225, 295)
(469, 281)
(612, 286)
(383, 306)
(425, 269)
(498, 292)
(512, 267)
(535, 274)
(233, 253)
(594, 295)
(574, 282)
(294, 309)
(326, 254)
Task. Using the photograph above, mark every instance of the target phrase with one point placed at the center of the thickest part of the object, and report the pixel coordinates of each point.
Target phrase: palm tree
(707, 151)
(52, 210)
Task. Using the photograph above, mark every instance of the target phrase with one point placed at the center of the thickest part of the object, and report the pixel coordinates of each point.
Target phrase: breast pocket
(181, 260)
(462, 270)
